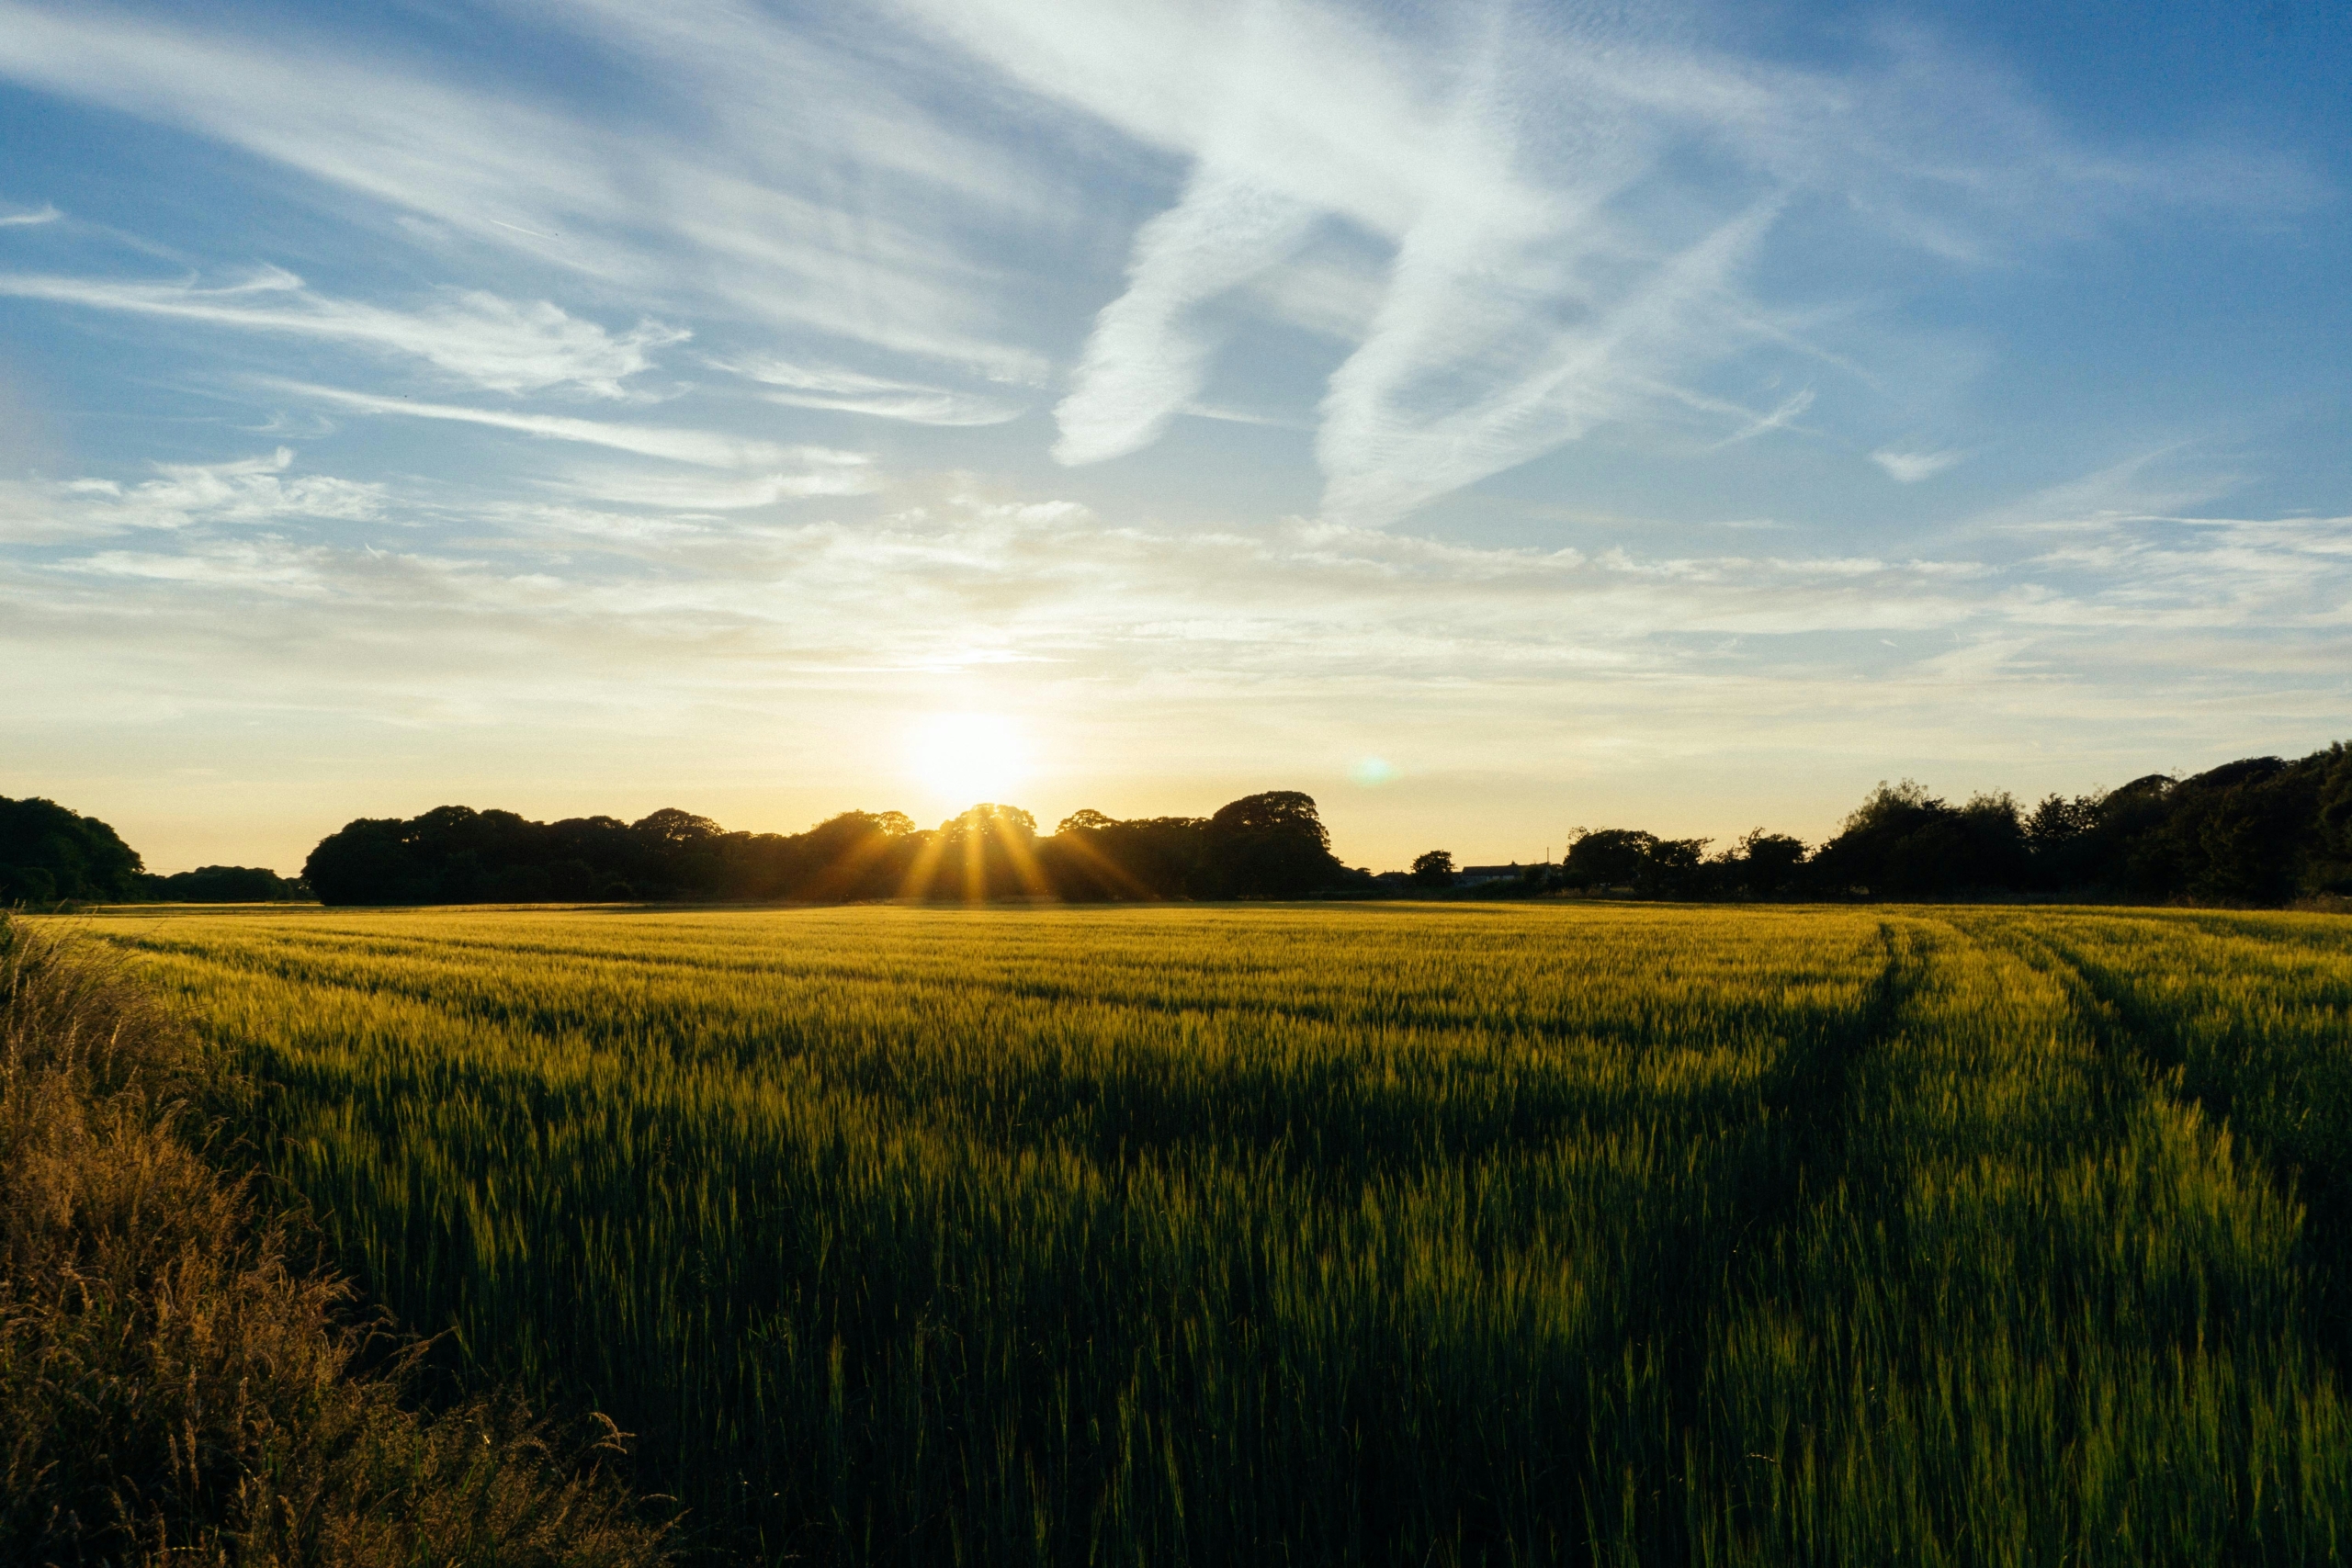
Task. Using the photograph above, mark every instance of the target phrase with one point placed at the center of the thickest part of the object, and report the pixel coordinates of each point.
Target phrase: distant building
(1472, 876)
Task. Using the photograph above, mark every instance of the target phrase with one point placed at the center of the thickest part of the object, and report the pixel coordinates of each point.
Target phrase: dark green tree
(367, 861)
(673, 828)
(2328, 868)
(1905, 843)
(222, 884)
(1272, 845)
(1671, 868)
(1092, 855)
(1765, 865)
(1605, 857)
(50, 854)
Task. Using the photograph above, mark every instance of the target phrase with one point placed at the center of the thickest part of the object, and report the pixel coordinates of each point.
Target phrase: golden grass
(1388, 1233)
(171, 1389)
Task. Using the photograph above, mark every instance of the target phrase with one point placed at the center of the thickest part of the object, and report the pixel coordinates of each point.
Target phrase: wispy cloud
(22, 218)
(1523, 226)
(675, 493)
(1783, 417)
(1910, 467)
(1387, 450)
(706, 448)
(2159, 482)
(477, 336)
(1559, 261)
(848, 391)
(677, 624)
(1144, 361)
(1303, 616)
(185, 495)
(749, 222)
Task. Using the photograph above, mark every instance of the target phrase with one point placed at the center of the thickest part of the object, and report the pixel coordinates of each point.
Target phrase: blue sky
(1492, 419)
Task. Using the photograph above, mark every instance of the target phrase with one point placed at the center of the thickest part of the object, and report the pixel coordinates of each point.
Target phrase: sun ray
(1022, 852)
(1126, 883)
(923, 868)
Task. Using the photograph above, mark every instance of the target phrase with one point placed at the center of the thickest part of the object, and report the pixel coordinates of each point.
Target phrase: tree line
(2261, 830)
(49, 855)
(1271, 845)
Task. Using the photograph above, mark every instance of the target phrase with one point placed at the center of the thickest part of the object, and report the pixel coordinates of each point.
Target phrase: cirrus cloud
(471, 335)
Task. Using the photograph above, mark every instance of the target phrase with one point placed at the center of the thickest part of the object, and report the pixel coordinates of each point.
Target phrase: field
(1391, 1234)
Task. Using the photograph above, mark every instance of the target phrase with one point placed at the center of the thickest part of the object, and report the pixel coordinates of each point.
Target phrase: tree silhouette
(49, 853)
(1272, 845)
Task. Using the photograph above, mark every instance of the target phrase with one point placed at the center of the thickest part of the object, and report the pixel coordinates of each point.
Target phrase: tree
(49, 853)
(1435, 869)
(1904, 842)
(1670, 867)
(367, 861)
(674, 828)
(989, 820)
(2328, 868)
(1765, 863)
(2138, 850)
(988, 852)
(1093, 857)
(854, 855)
(2063, 841)
(2247, 827)
(222, 884)
(1605, 857)
(1271, 845)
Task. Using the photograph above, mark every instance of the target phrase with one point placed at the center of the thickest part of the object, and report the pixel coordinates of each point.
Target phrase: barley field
(1383, 1234)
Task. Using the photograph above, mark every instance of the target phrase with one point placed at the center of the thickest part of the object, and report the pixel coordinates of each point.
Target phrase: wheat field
(1386, 1234)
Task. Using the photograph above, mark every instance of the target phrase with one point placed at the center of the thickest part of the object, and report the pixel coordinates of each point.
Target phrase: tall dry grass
(172, 1388)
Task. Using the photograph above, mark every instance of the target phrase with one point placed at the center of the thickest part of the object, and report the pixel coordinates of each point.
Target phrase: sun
(968, 758)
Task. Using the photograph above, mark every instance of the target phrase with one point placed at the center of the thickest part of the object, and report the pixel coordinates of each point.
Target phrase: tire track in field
(1781, 1171)
(1811, 1106)
(2146, 1041)
(2126, 1078)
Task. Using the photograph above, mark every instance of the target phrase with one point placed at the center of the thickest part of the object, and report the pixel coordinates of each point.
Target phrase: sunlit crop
(1391, 1234)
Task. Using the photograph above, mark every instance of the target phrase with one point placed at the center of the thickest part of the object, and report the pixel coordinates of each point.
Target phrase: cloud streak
(1910, 467)
(1145, 362)
(705, 448)
(241, 493)
(849, 392)
(1575, 208)
(1522, 227)
(748, 223)
(1301, 615)
(468, 334)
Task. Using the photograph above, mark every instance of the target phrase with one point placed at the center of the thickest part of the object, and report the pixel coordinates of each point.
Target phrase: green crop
(1392, 1234)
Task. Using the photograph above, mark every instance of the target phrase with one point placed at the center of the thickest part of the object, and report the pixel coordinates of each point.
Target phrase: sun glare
(967, 758)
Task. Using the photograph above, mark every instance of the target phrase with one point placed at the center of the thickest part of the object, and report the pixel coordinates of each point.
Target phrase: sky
(1493, 420)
